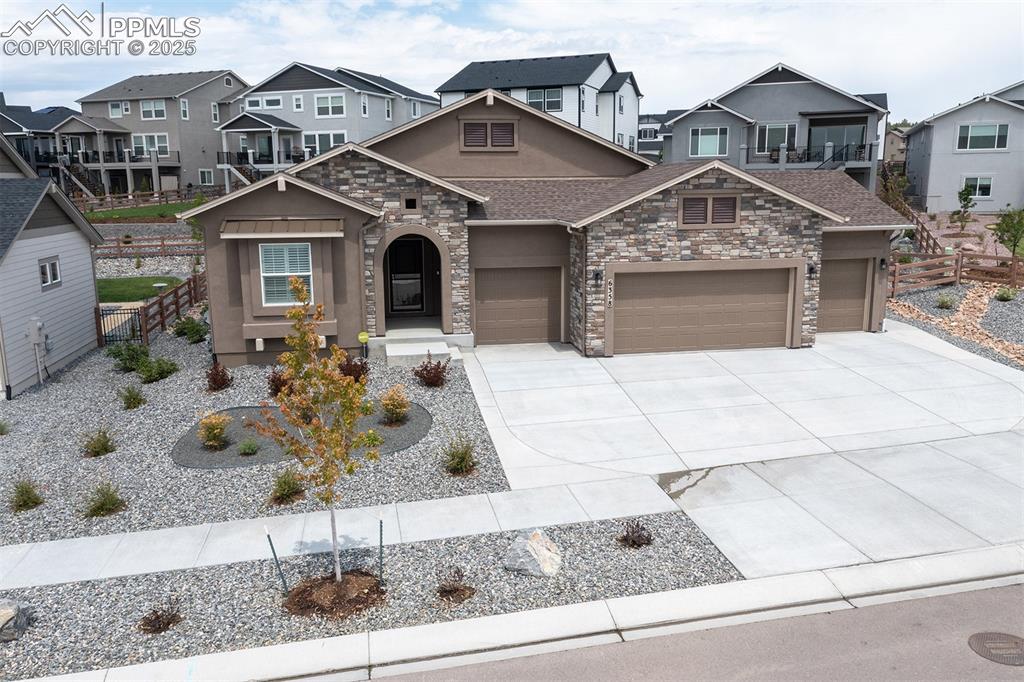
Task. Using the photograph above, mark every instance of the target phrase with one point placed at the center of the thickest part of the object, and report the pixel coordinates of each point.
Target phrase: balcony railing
(839, 154)
(254, 158)
(41, 156)
(120, 156)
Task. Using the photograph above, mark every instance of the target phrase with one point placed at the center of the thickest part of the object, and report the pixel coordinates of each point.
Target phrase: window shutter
(474, 134)
(695, 211)
(503, 134)
(723, 210)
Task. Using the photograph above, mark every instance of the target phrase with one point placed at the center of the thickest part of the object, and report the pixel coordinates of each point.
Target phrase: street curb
(441, 645)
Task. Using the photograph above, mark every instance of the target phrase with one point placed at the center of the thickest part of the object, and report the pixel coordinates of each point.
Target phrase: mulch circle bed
(191, 453)
(324, 596)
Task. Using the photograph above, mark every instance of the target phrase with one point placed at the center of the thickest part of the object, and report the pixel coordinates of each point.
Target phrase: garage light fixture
(812, 269)
(883, 264)
(598, 276)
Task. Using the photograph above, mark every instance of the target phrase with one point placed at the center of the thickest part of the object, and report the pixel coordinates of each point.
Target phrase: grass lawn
(148, 211)
(122, 289)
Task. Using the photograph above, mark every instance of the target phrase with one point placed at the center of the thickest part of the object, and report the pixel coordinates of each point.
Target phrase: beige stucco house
(491, 222)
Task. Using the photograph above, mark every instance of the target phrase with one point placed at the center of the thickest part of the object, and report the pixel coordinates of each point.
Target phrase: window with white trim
(298, 103)
(364, 106)
(126, 107)
(330, 106)
(709, 141)
(243, 143)
(622, 104)
(414, 108)
(253, 103)
(632, 143)
(153, 109)
(49, 272)
(114, 109)
(271, 102)
(142, 145)
(387, 109)
(321, 142)
(583, 98)
(278, 264)
(205, 176)
(771, 136)
(214, 112)
(982, 136)
(228, 82)
(184, 109)
(980, 186)
(618, 139)
(648, 133)
(549, 99)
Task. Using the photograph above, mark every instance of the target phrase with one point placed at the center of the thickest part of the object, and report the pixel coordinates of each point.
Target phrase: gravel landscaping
(50, 424)
(177, 266)
(957, 341)
(1005, 319)
(94, 624)
(927, 299)
(143, 230)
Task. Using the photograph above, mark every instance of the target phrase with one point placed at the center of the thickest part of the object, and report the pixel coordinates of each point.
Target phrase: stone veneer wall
(441, 211)
(770, 227)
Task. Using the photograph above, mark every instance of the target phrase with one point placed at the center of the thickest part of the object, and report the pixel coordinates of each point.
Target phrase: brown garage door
(518, 305)
(843, 294)
(666, 311)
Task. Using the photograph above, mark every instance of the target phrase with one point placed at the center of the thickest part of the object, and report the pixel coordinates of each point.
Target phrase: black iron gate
(119, 325)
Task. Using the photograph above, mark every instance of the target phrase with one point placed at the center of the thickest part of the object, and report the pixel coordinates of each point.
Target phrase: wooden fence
(174, 246)
(136, 199)
(158, 314)
(928, 270)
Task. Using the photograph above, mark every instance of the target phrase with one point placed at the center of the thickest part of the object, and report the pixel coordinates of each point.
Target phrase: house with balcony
(585, 90)
(304, 110)
(146, 133)
(30, 133)
(783, 118)
(977, 144)
(651, 134)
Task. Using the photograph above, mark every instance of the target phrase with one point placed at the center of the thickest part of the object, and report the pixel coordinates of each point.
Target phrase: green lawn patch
(123, 289)
(148, 211)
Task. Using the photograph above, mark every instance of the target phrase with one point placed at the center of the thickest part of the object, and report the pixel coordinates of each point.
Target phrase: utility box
(36, 331)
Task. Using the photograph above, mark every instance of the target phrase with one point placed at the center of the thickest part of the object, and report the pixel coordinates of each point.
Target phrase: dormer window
(489, 136)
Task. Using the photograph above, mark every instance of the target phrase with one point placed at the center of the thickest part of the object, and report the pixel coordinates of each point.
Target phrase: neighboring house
(782, 118)
(147, 133)
(31, 133)
(491, 222)
(895, 150)
(584, 90)
(47, 309)
(652, 134)
(304, 110)
(977, 144)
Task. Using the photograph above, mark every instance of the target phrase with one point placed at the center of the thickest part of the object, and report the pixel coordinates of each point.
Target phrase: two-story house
(977, 144)
(304, 110)
(147, 133)
(584, 90)
(782, 118)
(30, 133)
(651, 134)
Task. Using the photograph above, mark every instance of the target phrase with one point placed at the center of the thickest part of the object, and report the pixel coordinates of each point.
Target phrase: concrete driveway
(556, 417)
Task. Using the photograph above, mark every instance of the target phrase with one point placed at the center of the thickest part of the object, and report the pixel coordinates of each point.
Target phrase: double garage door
(518, 305)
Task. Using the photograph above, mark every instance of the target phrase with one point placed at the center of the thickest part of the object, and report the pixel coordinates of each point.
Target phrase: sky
(928, 56)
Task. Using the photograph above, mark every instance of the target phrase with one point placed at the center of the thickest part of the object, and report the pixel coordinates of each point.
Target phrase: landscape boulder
(13, 619)
(533, 553)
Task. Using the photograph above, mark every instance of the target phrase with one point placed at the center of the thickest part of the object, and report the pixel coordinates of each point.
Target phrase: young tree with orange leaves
(318, 410)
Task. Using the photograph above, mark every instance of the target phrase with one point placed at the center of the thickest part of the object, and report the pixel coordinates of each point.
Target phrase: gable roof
(981, 98)
(8, 150)
(94, 122)
(19, 198)
(616, 81)
(532, 72)
(1008, 87)
(355, 148)
(281, 179)
(708, 105)
(36, 121)
(263, 122)
(389, 85)
(340, 78)
(780, 67)
(157, 85)
(494, 94)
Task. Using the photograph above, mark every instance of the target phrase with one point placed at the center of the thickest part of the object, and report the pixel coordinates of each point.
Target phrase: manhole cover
(999, 647)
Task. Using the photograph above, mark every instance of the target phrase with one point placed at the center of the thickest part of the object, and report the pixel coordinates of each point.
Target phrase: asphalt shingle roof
(18, 196)
(43, 119)
(517, 73)
(346, 79)
(153, 85)
(616, 81)
(101, 123)
(389, 84)
(836, 191)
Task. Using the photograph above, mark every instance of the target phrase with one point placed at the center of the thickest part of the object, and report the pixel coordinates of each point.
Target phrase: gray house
(46, 276)
(977, 144)
(782, 118)
(304, 110)
(31, 133)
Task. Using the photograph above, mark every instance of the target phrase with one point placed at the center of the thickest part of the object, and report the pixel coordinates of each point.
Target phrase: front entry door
(405, 268)
(264, 152)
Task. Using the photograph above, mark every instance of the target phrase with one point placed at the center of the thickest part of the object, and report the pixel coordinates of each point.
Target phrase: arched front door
(412, 279)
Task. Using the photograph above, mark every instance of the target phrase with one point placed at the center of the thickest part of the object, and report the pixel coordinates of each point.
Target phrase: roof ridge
(531, 59)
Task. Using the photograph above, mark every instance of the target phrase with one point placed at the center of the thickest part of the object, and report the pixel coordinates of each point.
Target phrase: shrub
(126, 239)
(25, 496)
(98, 444)
(287, 488)
(162, 618)
(104, 501)
(131, 397)
(218, 378)
(945, 302)
(191, 328)
(635, 534)
(154, 370)
(138, 263)
(451, 585)
(128, 356)
(1003, 294)
(248, 447)
(906, 259)
(432, 373)
(276, 381)
(5, 428)
(357, 368)
(458, 455)
(213, 430)
(395, 404)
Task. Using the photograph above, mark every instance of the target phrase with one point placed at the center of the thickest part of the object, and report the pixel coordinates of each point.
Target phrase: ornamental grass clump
(1005, 294)
(458, 456)
(395, 404)
(248, 447)
(635, 535)
(5, 428)
(945, 302)
(104, 501)
(288, 488)
(213, 430)
(162, 618)
(98, 443)
(25, 496)
(131, 397)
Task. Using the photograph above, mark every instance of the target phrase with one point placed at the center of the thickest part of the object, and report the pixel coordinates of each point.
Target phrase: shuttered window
(474, 134)
(723, 210)
(279, 263)
(695, 211)
(489, 135)
(720, 211)
(503, 134)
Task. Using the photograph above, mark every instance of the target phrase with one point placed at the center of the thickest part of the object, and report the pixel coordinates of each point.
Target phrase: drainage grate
(998, 647)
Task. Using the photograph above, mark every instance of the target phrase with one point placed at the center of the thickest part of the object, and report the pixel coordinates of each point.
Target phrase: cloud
(926, 56)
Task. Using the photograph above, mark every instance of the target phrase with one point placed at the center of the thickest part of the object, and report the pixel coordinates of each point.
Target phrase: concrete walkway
(556, 417)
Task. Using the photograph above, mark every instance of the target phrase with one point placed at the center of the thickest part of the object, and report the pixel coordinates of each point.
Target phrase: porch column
(743, 156)
(128, 172)
(227, 157)
(102, 149)
(57, 151)
(782, 155)
(829, 151)
(32, 150)
(274, 144)
(154, 168)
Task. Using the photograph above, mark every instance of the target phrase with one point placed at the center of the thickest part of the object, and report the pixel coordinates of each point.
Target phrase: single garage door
(518, 305)
(843, 294)
(670, 311)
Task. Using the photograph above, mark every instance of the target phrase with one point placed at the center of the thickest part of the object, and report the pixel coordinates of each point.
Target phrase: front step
(410, 354)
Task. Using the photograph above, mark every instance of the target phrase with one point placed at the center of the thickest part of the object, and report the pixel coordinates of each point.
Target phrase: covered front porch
(254, 145)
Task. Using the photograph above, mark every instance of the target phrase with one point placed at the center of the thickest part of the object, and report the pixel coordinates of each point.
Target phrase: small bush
(248, 447)
(451, 585)
(5, 428)
(218, 378)
(432, 373)
(1003, 294)
(287, 488)
(904, 260)
(354, 367)
(276, 382)
(213, 431)
(138, 263)
(128, 356)
(152, 371)
(395, 404)
(190, 328)
(458, 455)
(162, 618)
(131, 397)
(945, 302)
(25, 496)
(635, 534)
(126, 239)
(104, 501)
(98, 444)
